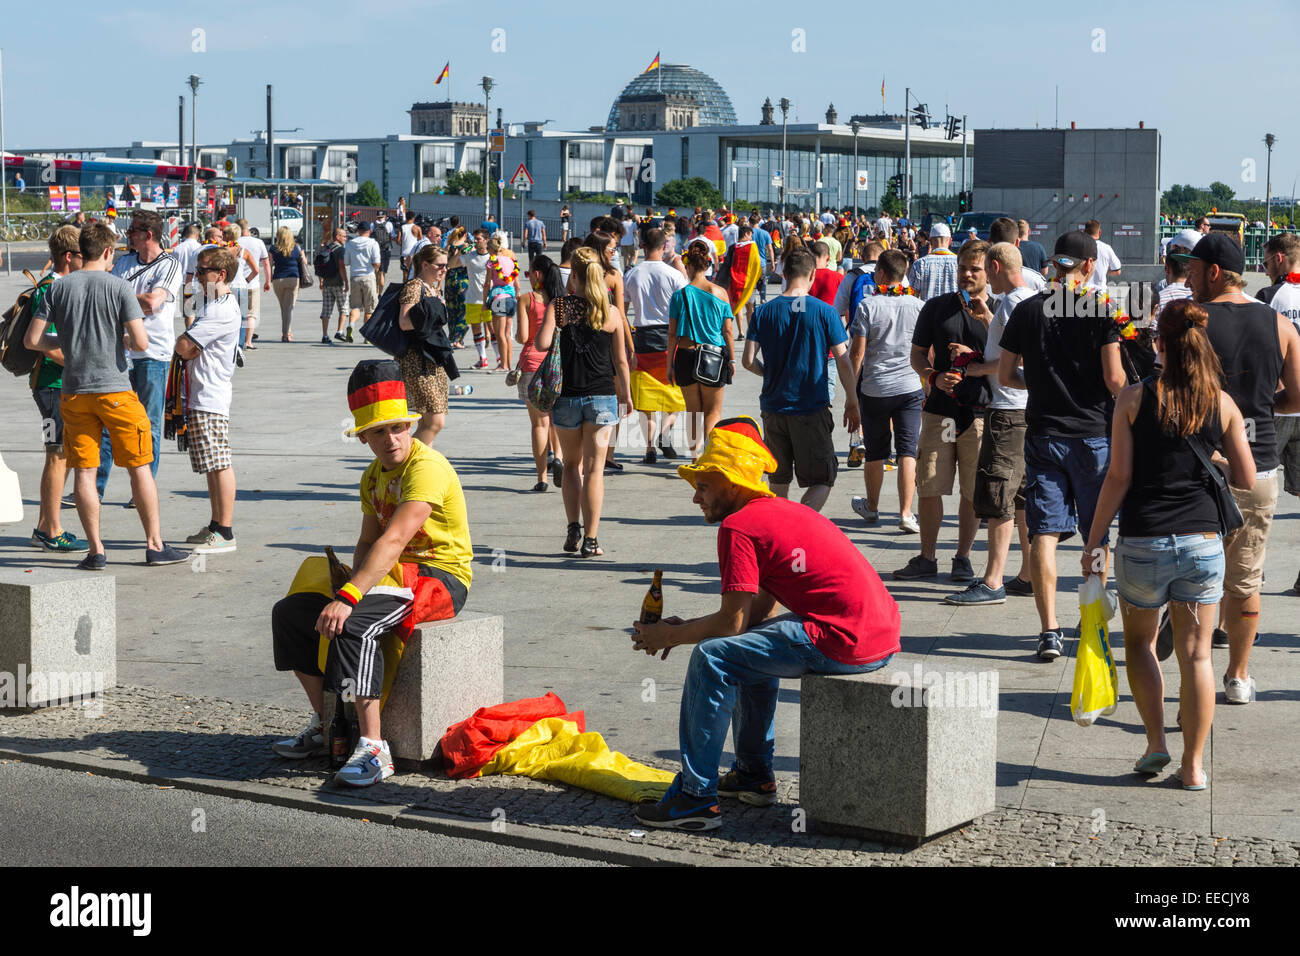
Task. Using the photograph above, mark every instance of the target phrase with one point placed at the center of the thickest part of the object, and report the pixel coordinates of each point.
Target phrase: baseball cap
(1072, 248)
(939, 229)
(1187, 239)
(1218, 249)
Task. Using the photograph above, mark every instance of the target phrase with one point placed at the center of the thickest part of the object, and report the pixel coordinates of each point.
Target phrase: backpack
(863, 283)
(14, 356)
(326, 264)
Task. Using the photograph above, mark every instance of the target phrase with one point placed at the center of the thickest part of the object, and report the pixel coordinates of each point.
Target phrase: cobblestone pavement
(203, 736)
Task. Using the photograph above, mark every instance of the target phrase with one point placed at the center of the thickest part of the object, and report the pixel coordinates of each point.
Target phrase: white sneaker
(907, 524)
(859, 505)
(370, 763)
(1239, 691)
(214, 543)
(309, 742)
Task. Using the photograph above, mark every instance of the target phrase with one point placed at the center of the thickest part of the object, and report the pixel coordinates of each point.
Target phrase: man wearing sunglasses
(156, 278)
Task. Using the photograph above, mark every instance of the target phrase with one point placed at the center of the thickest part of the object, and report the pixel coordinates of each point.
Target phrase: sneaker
(369, 764)
(613, 466)
(977, 594)
(480, 364)
(324, 340)
(130, 504)
(348, 337)
(1220, 638)
(891, 465)
(168, 555)
(667, 448)
(908, 525)
(93, 562)
(310, 742)
(214, 543)
(857, 455)
(1020, 587)
(1050, 645)
(64, 541)
(650, 457)
(962, 572)
(758, 790)
(338, 337)
(918, 567)
(198, 537)
(859, 505)
(68, 501)
(680, 811)
(1239, 691)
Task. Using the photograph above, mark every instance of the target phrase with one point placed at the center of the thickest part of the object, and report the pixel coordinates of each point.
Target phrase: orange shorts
(85, 417)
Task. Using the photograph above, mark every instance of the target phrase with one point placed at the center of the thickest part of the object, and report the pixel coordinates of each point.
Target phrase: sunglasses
(203, 270)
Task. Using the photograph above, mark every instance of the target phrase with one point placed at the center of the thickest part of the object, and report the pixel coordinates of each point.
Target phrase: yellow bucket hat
(734, 449)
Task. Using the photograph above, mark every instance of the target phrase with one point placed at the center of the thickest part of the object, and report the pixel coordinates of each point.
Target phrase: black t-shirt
(941, 321)
(1060, 336)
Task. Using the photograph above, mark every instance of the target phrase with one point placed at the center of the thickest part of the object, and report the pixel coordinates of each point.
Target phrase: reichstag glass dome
(715, 105)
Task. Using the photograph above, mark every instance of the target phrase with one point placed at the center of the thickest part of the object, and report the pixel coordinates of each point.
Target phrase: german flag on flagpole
(654, 64)
(741, 269)
(446, 72)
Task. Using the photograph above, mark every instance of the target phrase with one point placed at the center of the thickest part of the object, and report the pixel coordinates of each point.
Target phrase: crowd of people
(1001, 371)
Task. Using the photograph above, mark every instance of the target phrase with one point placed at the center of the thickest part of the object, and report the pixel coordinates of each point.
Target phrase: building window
(300, 162)
(585, 166)
(436, 163)
(338, 163)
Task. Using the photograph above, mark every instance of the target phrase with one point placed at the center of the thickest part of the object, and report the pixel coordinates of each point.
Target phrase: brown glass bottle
(652, 608)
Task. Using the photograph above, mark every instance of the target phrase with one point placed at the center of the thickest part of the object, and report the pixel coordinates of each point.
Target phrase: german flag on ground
(740, 274)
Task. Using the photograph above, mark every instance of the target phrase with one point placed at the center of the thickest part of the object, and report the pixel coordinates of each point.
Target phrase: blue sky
(999, 63)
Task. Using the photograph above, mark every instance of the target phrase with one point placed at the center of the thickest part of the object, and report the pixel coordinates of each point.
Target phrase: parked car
(980, 220)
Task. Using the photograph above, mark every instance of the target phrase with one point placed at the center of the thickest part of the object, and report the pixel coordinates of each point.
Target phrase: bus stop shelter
(322, 200)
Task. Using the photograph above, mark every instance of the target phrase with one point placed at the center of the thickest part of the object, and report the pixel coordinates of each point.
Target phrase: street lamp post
(856, 126)
(194, 147)
(907, 154)
(785, 159)
(1269, 140)
(487, 142)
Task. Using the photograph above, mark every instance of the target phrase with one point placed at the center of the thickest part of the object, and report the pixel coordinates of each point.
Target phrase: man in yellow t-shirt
(411, 564)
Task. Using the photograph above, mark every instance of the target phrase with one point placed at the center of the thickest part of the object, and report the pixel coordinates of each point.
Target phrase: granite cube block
(58, 636)
(898, 762)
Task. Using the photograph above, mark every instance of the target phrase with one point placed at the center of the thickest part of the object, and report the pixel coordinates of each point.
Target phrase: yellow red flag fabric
(741, 270)
(654, 64)
(446, 72)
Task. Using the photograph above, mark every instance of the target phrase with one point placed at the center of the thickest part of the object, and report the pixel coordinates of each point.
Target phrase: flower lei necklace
(901, 288)
(1127, 326)
(505, 279)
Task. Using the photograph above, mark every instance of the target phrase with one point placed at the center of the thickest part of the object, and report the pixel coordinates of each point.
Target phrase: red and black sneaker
(758, 790)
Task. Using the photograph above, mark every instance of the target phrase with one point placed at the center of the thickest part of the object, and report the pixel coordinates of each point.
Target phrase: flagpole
(659, 69)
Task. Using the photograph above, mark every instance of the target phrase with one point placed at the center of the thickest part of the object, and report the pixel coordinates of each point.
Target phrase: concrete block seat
(899, 763)
(58, 636)
(449, 670)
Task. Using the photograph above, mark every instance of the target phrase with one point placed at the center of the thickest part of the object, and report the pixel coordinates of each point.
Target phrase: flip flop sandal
(1197, 786)
(1152, 763)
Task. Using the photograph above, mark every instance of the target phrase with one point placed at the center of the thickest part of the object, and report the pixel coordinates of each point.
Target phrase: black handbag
(709, 365)
(1230, 518)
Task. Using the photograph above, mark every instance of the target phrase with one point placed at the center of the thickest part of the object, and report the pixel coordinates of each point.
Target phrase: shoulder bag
(1230, 518)
(548, 381)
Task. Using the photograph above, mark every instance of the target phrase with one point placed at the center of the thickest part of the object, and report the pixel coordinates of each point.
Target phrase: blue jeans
(1151, 572)
(572, 412)
(149, 380)
(734, 681)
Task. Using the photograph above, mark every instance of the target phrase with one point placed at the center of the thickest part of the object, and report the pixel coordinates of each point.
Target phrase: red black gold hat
(377, 395)
(735, 449)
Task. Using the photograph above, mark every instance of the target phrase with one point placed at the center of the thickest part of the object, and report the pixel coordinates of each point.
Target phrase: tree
(368, 194)
(688, 193)
(1221, 192)
(467, 183)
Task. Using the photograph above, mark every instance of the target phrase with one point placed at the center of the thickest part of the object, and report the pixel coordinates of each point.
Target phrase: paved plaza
(199, 697)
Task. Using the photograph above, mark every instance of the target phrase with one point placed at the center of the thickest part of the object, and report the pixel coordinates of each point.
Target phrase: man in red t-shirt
(826, 281)
(774, 555)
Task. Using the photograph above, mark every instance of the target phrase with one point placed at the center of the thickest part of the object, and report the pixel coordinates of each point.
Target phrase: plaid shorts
(209, 441)
(333, 299)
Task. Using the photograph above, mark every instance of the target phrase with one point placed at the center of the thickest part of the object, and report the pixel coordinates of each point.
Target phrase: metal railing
(1254, 241)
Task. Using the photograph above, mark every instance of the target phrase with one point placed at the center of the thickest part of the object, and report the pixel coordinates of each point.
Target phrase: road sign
(521, 181)
(501, 184)
(776, 182)
(230, 165)
(863, 180)
(498, 141)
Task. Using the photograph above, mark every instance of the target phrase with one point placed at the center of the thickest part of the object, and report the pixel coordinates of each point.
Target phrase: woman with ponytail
(1170, 548)
(547, 286)
(593, 355)
(699, 315)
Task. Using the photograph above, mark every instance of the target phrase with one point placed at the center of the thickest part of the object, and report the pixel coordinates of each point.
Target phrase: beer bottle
(652, 608)
(340, 734)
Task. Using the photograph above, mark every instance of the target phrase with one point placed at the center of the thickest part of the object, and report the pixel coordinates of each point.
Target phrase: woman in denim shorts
(1170, 548)
(593, 355)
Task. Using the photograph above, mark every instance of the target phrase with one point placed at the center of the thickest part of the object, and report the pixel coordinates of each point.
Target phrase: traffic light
(951, 132)
(921, 115)
(963, 200)
(896, 184)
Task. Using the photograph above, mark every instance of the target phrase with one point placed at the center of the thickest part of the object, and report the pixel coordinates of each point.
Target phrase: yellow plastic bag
(1096, 685)
(552, 749)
